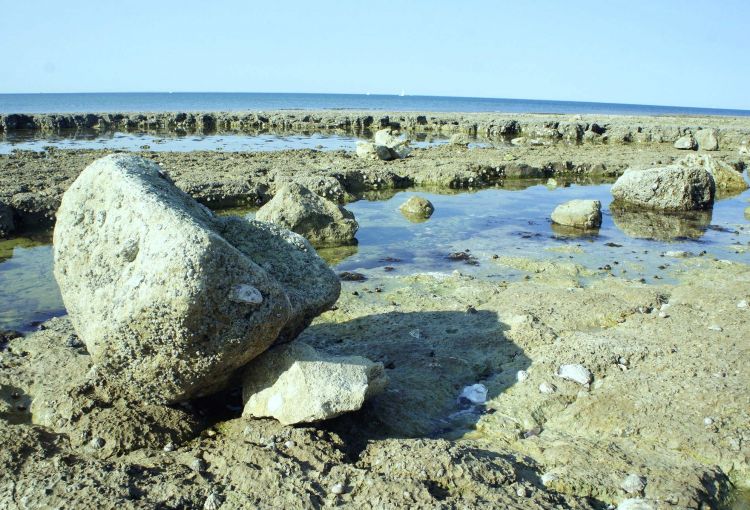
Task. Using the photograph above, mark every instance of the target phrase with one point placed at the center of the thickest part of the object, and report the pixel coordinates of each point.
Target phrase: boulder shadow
(429, 357)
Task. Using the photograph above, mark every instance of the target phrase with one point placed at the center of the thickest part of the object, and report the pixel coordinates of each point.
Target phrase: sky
(663, 52)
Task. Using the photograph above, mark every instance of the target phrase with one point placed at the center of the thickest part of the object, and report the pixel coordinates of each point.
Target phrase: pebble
(337, 489)
(97, 443)
(168, 447)
(546, 387)
(476, 393)
(198, 465)
(743, 304)
(635, 504)
(522, 492)
(522, 375)
(708, 421)
(715, 327)
(633, 484)
(290, 444)
(548, 478)
(663, 315)
(576, 373)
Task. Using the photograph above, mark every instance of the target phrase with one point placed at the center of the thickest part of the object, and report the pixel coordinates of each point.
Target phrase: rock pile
(319, 220)
(386, 146)
(170, 300)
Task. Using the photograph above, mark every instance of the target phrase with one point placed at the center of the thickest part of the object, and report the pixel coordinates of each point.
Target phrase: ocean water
(217, 101)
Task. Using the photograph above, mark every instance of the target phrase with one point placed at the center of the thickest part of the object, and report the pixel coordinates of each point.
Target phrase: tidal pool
(510, 224)
(227, 142)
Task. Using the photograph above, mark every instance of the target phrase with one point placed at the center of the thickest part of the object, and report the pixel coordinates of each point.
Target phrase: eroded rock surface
(584, 214)
(669, 188)
(418, 208)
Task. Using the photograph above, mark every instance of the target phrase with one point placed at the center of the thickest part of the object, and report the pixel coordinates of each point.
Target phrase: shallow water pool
(492, 222)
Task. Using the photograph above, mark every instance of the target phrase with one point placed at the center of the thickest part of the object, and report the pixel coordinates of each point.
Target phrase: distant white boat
(402, 94)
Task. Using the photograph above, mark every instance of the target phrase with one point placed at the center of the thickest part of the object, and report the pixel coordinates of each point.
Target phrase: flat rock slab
(168, 307)
(295, 383)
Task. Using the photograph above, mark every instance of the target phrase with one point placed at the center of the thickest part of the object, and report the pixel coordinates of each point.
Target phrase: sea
(252, 101)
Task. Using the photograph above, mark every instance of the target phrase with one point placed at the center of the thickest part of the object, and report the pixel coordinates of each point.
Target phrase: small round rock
(337, 489)
(547, 388)
(633, 484)
(417, 207)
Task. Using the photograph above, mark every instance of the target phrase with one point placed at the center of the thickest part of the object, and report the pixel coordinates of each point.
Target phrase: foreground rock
(417, 208)
(7, 226)
(583, 214)
(707, 139)
(167, 297)
(725, 176)
(297, 384)
(319, 220)
(669, 188)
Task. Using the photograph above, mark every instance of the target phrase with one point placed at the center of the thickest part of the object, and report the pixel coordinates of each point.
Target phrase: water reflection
(659, 225)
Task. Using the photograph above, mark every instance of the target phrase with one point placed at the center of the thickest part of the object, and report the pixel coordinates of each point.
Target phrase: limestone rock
(167, 306)
(669, 188)
(585, 214)
(319, 220)
(460, 139)
(295, 383)
(725, 176)
(707, 139)
(7, 225)
(633, 484)
(399, 146)
(576, 373)
(686, 142)
(417, 207)
(368, 150)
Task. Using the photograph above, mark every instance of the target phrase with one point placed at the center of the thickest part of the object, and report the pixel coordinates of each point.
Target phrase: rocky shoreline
(32, 183)
(731, 132)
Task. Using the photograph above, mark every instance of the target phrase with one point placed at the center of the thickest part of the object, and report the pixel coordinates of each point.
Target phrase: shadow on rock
(661, 226)
(430, 357)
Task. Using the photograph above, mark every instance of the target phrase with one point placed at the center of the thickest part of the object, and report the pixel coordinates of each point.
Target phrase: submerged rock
(707, 139)
(669, 188)
(417, 208)
(7, 225)
(725, 176)
(686, 142)
(319, 220)
(585, 214)
(297, 384)
(166, 296)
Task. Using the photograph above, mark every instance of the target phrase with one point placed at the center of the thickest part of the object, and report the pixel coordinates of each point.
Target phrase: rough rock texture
(417, 208)
(686, 142)
(707, 139)
(167, 306)
(726, 177)
(460, 139)
(585, 214)
(669, 188)
(399, 146)
(7, 225)
(294, 383)
(319, 220)
(368, 150)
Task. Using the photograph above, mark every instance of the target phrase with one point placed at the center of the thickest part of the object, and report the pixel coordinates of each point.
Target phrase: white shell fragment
(576, 373)
(546, 387)
(522, 375)
(476, 393)
(247, 294)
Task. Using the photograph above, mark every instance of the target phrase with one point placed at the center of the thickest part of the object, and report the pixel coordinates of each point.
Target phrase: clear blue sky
(686, 53)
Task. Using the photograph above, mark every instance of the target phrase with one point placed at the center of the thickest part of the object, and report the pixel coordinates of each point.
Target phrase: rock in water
(368, 150)
(585, 214)
(670, 188)
(294, 383)
(165, 301)
(417, 208)
(707, 139)
(319, 220)
(725, 176)
(7, 226)
(399, 146)
(460, 139)
(686, 142)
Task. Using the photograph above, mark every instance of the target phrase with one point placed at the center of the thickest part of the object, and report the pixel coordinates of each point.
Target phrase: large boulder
(686, 143)
(707, 139)
(319, 220)
(169, 298)
(295, 383)
(725, 176)
(585, 214)
(7, 225)
(670, 188)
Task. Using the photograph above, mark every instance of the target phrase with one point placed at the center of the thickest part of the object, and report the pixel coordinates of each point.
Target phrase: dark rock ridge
(572, 128)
